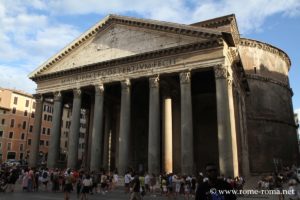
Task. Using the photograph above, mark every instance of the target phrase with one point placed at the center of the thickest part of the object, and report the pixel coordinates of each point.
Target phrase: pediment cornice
(128, 21)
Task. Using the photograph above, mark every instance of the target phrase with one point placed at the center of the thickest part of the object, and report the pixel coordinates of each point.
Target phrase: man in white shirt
(127, 180)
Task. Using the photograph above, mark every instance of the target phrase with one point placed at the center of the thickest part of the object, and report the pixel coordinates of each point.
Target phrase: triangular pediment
(117, 37)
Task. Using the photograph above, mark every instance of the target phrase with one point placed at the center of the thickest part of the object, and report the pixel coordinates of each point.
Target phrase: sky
(31, 31)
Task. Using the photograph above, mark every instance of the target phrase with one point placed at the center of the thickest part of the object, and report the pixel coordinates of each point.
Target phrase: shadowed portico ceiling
(117, 37)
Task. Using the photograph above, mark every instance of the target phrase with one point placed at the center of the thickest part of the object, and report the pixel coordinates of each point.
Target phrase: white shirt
(127, 178)
(87, 182)
(147, 179)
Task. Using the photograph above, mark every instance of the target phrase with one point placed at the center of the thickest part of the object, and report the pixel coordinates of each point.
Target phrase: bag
(45, 175)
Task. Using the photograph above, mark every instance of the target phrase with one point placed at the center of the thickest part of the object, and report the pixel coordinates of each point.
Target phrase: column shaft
(53, 152)
(187, 147)
(74, 130)
(35, 145)
(107, 130)
(154, 127)
(124, 127)
(97, 134)
(226, 124)
(168, 136)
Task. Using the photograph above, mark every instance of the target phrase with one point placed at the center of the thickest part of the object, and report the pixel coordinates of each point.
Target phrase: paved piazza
(117, 194)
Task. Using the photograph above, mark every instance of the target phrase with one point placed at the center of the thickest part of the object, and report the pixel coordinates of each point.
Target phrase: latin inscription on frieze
(123, 70)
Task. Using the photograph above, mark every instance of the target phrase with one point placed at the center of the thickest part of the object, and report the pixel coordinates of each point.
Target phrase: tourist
(115, 180)
(68, 187)
(209, 190)
(12, 179)
(135, 194)
(45, 178)
(127, 180)
(152, 182)
(87, 184)
(147, 182)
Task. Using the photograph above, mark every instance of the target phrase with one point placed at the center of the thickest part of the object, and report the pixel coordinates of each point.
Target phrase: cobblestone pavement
(118, 194)
(114, 195)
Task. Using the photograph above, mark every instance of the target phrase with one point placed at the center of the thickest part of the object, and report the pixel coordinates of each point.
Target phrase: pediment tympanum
(119, 41)
(117, 37)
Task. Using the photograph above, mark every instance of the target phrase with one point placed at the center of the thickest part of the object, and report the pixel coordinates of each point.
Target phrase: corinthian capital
(99, 88)
(57, 96)
(185, 77)
(38, 97)
(125, 84)
(77, 92)
(220, 72)
(154, 81)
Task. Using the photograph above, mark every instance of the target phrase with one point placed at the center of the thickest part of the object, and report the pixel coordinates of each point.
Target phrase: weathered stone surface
(119, 41)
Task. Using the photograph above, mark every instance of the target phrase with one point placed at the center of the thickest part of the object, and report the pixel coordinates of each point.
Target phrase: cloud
(251, 14)
(16, 78)
(29, 37)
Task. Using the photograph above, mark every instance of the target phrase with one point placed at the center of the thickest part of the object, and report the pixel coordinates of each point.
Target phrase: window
(45, 107)
(68, 115)
(32, 115)
(30, 128)
(33, 105)
(15, 100)
(47, 143)
(21, 147)
(67, 133)
(24, 125)
(12, 123)
(11, 155)
(9, 146)
(45, 117)
(44, 131)
(42, 142)
(23, 136)
(66, 143)
(0, 145)
(48, 131)
(29, 141)
(49, 118)
(27, 103)
(25, 113)
(1, 133)
(3, 121)
(11, 135)
(14, 110)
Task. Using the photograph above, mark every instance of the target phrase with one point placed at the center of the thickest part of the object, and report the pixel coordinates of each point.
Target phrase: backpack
(45, 175)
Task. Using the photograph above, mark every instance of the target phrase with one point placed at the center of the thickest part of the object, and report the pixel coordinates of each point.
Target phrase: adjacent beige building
(16, 120)
(17, 115)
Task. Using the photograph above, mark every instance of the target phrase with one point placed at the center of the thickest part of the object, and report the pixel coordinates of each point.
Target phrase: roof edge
(267, 47)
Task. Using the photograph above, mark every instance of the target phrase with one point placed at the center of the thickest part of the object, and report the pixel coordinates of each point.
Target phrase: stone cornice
(272, 120)
(216, 22)
(134, 58)
(228, 20)
(266, 47)
(129, 21)
(269, 80)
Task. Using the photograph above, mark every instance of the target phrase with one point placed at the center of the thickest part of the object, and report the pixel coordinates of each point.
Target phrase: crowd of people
(136, 185)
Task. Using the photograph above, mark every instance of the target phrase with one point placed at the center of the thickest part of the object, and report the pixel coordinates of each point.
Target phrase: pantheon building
(168, 97)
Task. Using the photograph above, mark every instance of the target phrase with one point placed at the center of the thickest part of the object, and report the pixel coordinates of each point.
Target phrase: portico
(159, 105)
